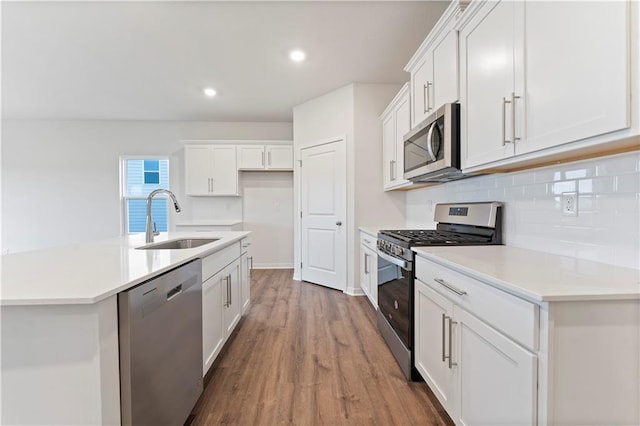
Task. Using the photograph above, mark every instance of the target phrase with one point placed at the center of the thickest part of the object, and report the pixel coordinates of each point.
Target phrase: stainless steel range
(458, 224)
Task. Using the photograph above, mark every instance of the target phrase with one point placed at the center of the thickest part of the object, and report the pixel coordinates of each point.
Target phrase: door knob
(339, 223)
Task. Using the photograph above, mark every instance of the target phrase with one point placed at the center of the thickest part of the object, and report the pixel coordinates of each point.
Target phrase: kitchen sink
(185, 243)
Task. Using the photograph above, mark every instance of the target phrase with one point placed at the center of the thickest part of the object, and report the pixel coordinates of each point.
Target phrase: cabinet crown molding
(444, 24)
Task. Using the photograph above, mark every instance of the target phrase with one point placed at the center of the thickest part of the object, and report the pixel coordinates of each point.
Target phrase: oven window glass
(394, 292)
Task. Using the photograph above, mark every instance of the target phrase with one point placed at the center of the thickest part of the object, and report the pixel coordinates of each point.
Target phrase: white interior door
(323, 198)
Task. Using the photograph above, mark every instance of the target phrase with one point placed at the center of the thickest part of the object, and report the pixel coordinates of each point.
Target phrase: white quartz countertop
(88, 273)
(205, 222)
(538, 276)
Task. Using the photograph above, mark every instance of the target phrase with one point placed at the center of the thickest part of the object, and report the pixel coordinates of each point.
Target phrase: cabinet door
(365, 264)
(488, 81)
(402, 115)
(197, 166)
(279, 157)
(498, 378)
(232, 301)
(224, 171)
(445, 70)
(245, 282)
(577, 71)
(389, 151)
(251, 157)
(422, 89)
(212, 319)
(373, 277)
(432, 342)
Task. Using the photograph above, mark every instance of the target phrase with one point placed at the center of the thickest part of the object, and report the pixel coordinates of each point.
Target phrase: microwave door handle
(429, 140)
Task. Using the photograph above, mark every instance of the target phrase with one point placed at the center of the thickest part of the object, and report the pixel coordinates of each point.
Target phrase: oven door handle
(398, 262)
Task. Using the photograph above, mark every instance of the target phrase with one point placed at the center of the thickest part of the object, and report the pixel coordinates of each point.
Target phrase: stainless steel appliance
(160, 326)
(458, 224)
(432, 148)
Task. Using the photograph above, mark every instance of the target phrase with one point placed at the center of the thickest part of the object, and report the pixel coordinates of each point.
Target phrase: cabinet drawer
(368, 241)
(509, 314)
(218, 260)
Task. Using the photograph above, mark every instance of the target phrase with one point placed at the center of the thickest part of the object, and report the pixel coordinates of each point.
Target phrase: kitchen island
(59, 314)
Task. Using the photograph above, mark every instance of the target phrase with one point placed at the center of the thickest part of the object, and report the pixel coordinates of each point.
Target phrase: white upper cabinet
(539, 75)
(265, 157)
(251, 157)
(577, 71)
(434, 67)
(396, 122)
(210, 170)
(279, 157)
(488, 70)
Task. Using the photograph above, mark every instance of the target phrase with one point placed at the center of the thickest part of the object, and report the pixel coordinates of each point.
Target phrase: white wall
(267, 199)
(60, 180)
(607, 228)
(351, 112)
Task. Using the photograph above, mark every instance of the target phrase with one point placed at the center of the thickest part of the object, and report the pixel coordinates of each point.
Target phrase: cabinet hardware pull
(429, 96)
(451, 363)
(424, 98)
(513, 117)
(269, 158)
(251, 259)
(450, 287)
(504, 121)
(262, 158)
(230, 295)
(226, 299)
(366, 263)
(444, 318)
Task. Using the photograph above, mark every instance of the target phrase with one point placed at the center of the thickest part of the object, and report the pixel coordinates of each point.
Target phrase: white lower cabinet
(222, 305)
(212, 320)
(369, 268)
(478, 374)
(498, 378)
(494, 357)
(245, 281)
(431, 345)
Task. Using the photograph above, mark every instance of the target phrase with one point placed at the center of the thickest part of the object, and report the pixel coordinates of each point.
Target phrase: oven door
(395, 290)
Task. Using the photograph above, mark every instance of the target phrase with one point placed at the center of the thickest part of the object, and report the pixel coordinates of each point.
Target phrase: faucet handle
(155, 229)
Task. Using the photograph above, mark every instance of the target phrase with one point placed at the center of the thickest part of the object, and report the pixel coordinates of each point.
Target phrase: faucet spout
(150, 231)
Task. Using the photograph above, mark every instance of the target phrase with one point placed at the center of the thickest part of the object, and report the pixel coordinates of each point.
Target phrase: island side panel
(595, 362)
(60, 364)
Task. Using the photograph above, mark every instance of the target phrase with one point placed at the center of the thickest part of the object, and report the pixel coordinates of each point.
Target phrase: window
(140, 176)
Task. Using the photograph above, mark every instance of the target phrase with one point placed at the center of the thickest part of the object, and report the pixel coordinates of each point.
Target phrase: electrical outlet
(569, 204)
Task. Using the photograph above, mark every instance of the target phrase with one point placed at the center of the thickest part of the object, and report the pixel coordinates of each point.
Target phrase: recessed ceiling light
(297, 55)
(209, 92)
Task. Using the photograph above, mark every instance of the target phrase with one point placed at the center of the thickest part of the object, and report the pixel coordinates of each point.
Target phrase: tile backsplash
(606, 229)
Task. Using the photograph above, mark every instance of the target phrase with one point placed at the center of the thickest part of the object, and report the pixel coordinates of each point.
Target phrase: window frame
(124, 197)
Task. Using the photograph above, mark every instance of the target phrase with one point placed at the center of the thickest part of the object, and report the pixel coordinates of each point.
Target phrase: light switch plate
(570, 204)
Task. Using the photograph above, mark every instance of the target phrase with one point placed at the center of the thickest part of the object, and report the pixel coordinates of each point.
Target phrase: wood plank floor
(305, 354)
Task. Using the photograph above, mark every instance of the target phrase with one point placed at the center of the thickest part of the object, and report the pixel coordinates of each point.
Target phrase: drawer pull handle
(444, 320)
(450, 287)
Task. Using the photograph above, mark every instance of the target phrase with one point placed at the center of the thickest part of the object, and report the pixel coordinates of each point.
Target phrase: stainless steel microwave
(432, 148)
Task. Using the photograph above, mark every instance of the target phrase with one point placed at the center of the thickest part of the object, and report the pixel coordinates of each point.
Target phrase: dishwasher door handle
(174, 292)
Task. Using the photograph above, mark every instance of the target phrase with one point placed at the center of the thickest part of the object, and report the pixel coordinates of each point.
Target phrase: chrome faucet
(151, 230)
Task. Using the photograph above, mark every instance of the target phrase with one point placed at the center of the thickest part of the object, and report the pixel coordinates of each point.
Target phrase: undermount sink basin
(185, 243)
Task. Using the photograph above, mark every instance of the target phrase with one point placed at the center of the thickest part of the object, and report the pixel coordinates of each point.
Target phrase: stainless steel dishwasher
(160, 326)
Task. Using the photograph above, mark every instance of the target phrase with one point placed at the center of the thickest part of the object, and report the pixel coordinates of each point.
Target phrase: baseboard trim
(354, 291)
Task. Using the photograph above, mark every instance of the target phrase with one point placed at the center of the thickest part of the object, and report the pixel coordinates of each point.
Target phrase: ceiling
(151, 60)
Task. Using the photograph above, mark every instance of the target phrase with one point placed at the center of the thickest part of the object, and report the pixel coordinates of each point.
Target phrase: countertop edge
(519, 291)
